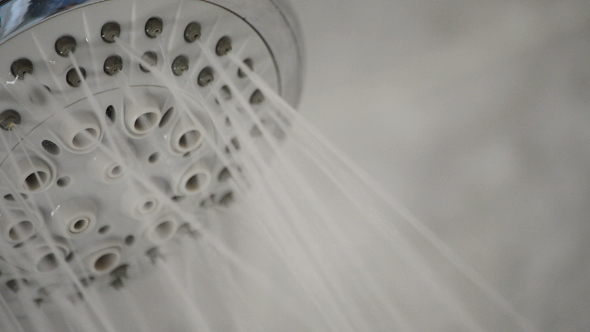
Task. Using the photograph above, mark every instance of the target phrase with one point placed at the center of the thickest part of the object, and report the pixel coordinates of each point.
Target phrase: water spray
(155, 176)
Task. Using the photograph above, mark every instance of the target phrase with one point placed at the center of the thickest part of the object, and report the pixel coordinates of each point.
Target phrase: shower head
(101, 155)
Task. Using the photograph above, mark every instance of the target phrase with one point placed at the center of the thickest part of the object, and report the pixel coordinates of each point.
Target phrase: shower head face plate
(108, 157)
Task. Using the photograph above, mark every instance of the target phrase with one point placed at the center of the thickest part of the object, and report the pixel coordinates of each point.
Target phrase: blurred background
(476, 115)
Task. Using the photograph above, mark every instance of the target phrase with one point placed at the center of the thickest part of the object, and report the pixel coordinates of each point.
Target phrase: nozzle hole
(189, 140)
(227, 199)
(151, 58)
(223, 46)
(192, 32)
(21, 231)
(166, 117)
(113, 65)
(154, 27)
(104, 229)
(129, 240)
(110, 113)
(205, 77)
(21, 67)
(73, 79)
(106, 262)
(195, 183)
(178, 198)
(64, 181)
(148, 206)
(110, 31)
(9, 119)
(224, 175)
(145, 122)
(257, 97)
(153, 158)
(50, 147)
(163, 231)
(85, 138)
(250, 64)
(115, 171)
(65, 45)
(79, 225)
(36, 180)
(47, 263)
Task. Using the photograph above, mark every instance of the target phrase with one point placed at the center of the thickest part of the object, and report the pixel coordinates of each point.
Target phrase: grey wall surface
(476, 114)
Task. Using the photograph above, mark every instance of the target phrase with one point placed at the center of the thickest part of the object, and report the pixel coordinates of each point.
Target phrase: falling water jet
(341, 162)
(448, 297)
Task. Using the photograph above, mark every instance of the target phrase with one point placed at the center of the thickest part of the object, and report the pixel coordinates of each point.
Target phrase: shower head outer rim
(264, 16)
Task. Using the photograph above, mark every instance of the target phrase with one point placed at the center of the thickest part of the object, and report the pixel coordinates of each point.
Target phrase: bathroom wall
(476, 115)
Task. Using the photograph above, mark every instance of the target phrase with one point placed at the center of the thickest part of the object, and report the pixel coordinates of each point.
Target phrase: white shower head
(100, 162)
